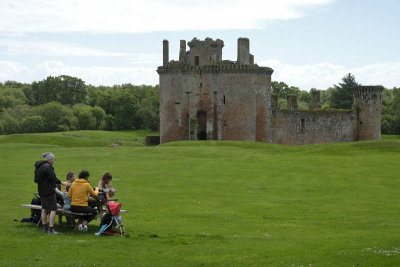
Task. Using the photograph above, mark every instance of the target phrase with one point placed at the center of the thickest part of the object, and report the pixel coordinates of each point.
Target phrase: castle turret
(315, 99)
(274, 101)
(165, 52)
(292, 102)
(367, 101)
(243, 52)
(182, 51)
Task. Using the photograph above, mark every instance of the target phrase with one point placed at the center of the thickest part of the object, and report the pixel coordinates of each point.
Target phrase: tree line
(340, 96)
(66, 103)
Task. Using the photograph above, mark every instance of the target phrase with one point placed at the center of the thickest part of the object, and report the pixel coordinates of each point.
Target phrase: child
(71, 178)
(67, 200)
(106, 185)
(66, 203)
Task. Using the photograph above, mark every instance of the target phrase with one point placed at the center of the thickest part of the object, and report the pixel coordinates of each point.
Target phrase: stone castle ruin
(203, 97)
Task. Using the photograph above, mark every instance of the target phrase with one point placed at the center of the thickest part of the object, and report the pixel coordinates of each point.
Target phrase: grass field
(212, 203)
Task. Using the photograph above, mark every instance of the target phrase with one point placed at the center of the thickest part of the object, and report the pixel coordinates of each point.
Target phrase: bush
(33, 124)
(10, 125)
(99, 114)
(109, 122)
(62, 128)
(2, 129)
(54, 114)
(86, 120)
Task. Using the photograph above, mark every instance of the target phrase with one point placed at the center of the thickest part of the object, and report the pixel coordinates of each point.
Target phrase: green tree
(86, 120)
(64, 89)
(33, 124)
(325, 96)
(55, 116)
(283, 90)
(11, 97)
(342, 95)
(72, 90)
(10, 124)
(99, 114)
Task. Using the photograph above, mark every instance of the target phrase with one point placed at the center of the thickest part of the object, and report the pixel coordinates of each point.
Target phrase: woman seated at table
(79, 191)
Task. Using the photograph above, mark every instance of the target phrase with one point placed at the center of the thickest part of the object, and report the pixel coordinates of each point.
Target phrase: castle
(203, 97)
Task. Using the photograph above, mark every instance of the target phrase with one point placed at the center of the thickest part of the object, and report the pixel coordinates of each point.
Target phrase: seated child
(106, 185)
(66, 203)
(67, 200)
(70, 179)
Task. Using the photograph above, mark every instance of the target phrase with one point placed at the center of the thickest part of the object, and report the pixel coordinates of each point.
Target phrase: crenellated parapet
(177, 67)
(367, 92)
(207, 42)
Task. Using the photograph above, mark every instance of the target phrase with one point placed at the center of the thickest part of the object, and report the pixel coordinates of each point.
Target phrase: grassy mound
(81, 138)
(219, 204)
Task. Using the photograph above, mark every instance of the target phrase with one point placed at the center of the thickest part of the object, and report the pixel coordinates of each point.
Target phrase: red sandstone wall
(317, 126)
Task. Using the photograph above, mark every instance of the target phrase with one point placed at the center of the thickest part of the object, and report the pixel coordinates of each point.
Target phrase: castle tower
(367, 100)
(203, 97)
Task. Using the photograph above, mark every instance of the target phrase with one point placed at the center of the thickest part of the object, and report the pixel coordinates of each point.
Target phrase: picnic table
(69, 215)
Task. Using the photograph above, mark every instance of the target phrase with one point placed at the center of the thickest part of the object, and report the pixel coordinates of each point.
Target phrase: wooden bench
(69, 215)
(108, 199)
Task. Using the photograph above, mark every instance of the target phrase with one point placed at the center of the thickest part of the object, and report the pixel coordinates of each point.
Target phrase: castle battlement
(207, 42)
(178, 67)
(207, 52)
(367, 90)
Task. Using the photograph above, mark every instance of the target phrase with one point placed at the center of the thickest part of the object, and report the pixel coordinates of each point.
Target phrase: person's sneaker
(85, 228)
(45, 228)
(97, 234)
(80, 227)
(52, 231)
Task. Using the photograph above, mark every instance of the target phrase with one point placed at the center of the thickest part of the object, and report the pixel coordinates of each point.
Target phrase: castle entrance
(201, 125)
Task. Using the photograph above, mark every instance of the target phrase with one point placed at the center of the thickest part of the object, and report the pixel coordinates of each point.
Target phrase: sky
(308, 43)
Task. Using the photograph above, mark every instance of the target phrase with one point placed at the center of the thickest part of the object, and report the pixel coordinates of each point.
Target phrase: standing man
(46, 179)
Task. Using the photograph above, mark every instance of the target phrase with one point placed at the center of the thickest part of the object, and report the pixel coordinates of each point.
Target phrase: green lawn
(213, 203)
(82, 138)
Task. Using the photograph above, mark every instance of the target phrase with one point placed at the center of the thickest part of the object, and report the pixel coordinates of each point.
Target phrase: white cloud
(96, 75)
(10, 69)
(133, 16)
(325, 75)
(50, 48)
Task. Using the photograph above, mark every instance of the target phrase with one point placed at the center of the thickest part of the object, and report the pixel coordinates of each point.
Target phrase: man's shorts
(49, 202)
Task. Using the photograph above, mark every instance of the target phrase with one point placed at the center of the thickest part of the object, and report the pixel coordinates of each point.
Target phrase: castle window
(224, 99)
(302, 125)
(201, 85)
(196, 60)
